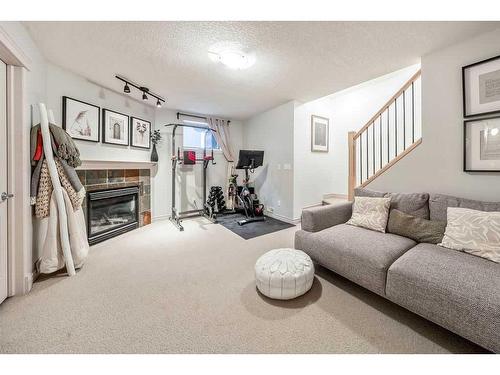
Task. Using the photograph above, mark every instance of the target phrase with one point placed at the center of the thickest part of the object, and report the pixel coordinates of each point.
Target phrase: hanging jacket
(45, 188)
(62, 144)
(37, 159)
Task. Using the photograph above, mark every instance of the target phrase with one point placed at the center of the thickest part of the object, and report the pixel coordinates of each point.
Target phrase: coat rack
(57, 188)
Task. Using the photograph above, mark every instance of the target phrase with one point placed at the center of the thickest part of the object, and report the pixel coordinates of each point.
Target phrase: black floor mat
(251, 230)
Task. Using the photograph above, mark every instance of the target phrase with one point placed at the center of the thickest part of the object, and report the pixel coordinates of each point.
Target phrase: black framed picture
(481, 87)
(482, 145)
(115, 127)
(81, 120)
(140, 133)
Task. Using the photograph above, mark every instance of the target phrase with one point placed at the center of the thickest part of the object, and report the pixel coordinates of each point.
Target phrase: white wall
(272, 131)
(320, 173)
(61, 82)
(189, 178)
(436, 165)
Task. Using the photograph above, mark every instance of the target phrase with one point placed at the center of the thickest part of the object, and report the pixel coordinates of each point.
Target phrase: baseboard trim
(28, 281)
(334, 195)
(282, 218)
(160, 218)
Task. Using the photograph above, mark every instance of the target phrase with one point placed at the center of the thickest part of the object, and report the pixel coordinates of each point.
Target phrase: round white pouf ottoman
(284, 273)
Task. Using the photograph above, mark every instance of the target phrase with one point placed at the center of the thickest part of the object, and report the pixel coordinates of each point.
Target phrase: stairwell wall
(436, 165)
(319, 173)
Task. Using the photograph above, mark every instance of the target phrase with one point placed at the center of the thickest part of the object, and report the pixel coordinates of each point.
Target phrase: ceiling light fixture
(231, 57)
(145, 91)
(494, 131)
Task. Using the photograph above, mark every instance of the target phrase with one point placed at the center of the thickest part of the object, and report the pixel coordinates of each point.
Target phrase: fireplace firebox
(111, 212)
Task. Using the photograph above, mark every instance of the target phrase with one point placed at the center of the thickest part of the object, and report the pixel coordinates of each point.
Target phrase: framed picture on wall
(482, 145)
(115, 127)
(140, 133)
(319, 133)
(81, 120)
(481, 87)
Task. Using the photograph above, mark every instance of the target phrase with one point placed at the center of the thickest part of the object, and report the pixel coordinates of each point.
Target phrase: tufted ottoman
(284, 273)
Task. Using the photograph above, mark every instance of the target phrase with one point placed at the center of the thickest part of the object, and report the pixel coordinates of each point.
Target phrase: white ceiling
(295, 60)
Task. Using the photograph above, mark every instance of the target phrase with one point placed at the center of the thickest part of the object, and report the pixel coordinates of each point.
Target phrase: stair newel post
(352, 164)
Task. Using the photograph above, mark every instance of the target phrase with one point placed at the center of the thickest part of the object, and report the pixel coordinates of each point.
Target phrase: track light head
(126, 89)
(158, 103)
(144, 91)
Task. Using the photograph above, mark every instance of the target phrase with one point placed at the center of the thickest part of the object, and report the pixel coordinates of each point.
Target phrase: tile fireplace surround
(99, 179)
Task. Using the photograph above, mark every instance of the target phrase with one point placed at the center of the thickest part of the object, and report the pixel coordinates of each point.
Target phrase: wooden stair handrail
(389, 102)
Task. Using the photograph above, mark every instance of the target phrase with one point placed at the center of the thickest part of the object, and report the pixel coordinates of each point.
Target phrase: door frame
(19, 230)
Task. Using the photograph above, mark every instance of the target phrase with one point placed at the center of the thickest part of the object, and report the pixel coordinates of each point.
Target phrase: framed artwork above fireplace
(140, 133)
(115, 127)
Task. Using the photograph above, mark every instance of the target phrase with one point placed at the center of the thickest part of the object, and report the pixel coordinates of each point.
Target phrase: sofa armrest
(315, 219)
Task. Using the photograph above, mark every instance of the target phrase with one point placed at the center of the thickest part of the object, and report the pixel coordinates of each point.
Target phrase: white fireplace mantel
(116, 164)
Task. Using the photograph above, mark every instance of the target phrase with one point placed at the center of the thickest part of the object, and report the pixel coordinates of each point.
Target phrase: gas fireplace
(112, 212)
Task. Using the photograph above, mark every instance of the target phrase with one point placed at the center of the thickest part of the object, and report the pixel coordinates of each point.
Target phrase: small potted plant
(155, 139)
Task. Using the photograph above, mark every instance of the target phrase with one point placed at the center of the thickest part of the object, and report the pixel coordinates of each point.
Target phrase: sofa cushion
(364, 192)
(415, 204)
(439, 203)
(359, 254)
(458, 291)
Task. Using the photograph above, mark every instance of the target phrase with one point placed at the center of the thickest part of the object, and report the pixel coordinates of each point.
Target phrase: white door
(3, 181)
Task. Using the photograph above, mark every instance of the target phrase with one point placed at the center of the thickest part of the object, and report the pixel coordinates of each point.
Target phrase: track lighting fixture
(145, 91)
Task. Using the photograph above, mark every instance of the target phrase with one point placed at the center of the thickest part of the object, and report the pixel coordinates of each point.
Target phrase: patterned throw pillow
(474, 232)
(370, 213)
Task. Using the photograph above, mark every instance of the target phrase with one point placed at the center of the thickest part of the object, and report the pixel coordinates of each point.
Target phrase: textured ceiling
(295, 60)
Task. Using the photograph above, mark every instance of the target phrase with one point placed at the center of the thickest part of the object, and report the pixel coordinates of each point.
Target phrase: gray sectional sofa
(456, 290)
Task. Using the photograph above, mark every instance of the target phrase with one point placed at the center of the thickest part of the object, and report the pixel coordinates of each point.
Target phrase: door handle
(6, 196)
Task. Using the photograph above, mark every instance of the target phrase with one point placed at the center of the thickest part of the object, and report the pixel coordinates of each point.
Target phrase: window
(194, 138)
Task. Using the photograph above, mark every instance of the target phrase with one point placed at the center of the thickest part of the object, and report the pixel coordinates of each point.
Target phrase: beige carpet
(157, 290)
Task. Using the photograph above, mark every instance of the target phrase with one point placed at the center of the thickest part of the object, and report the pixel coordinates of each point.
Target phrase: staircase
(391, 134)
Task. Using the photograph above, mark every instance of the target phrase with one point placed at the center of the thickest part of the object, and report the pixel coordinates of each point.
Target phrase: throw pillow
(416, 228)
(370, 213)
(474, 232)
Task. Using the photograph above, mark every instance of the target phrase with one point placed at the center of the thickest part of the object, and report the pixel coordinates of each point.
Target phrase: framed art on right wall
(481, 87)
(482, 145)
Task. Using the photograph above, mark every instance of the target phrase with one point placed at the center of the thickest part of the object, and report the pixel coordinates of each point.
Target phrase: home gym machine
(190, 158)
(248, 160)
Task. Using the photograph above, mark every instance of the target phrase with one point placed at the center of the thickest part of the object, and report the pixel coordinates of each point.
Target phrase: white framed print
(319, 133)
(115, 127)
(481, 87)
(81, 120)
(140, 133)
(482, 145)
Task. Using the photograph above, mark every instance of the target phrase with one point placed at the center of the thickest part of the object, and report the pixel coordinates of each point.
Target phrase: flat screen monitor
(250, 159)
